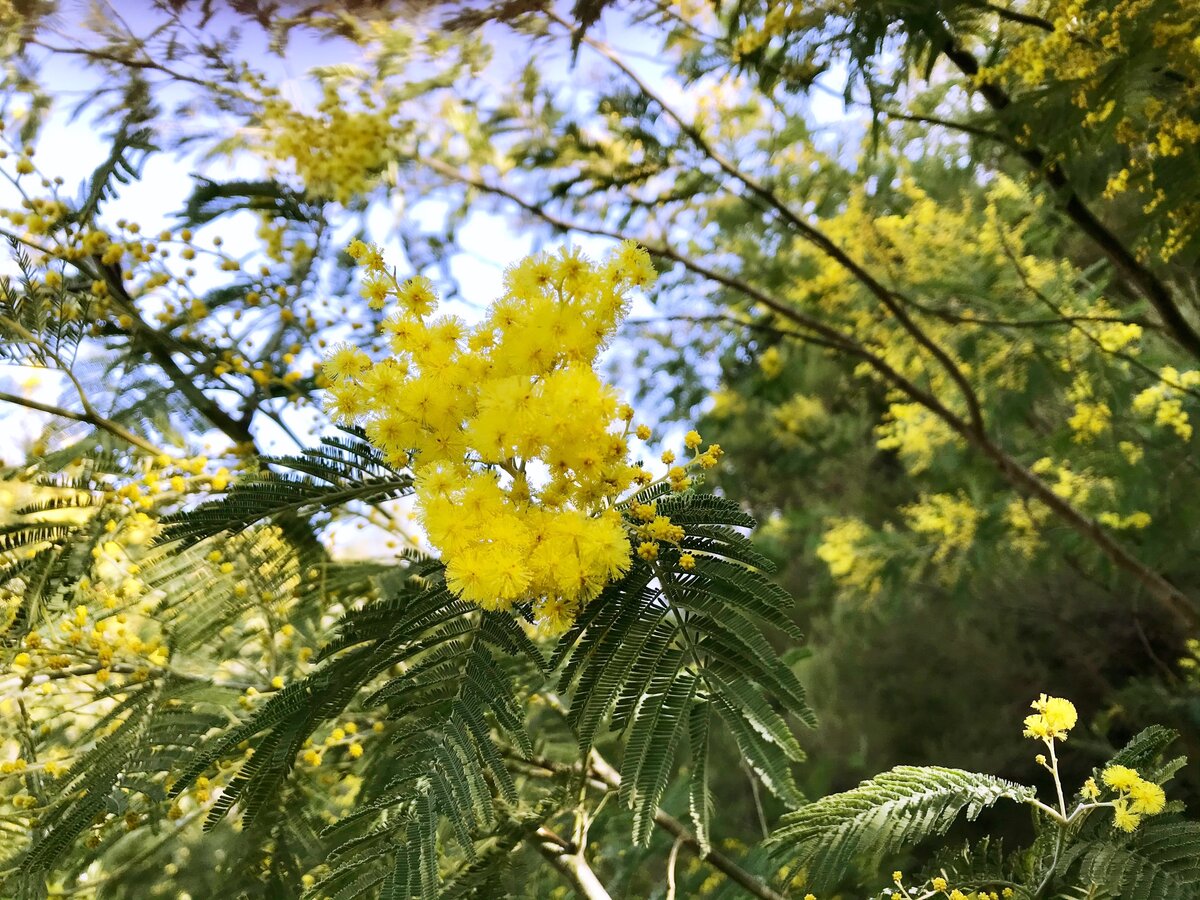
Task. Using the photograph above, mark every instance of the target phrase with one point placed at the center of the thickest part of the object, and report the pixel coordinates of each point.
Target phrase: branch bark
(599, 767)
(572, 866)
(237, 430)
(1018, 476)
(1146, 282)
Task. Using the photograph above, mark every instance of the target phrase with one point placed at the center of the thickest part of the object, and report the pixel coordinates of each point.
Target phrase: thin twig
(91, 418)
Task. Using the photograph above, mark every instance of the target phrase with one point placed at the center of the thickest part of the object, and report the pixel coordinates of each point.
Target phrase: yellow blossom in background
(1089, 420)
(727, 402)
(770, 361)
(1083, 45)
(336, 152)
(1118, 336)
(798, 418)
(1164, 400)
(1132, 452)
(853, 563)
(949, 520)
(914, 433)
(1136, 520)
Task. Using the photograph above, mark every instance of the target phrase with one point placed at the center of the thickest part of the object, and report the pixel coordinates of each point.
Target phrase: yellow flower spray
(519, 450)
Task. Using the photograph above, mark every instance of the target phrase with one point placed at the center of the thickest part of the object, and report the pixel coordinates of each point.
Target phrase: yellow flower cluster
(1089, 420)
(779, 20)
(1027, 516)
(1117, 336)
(950, 519)
(1165, 400)
(520, 452)
(1136, 797)
(337, 152)
(770, 362)
(846, 549)
(1091, 417)
(798, 419)
(939, 886)
(1191, 663)
(107, 630)
(1158, 130)
(915, 433)
(1053, 718)
(1136, 520)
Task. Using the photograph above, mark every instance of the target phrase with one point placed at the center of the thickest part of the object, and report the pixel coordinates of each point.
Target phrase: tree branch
(159, 349)
(1020, 18)
(1147, 283)
(571, 865)
(605, 773)
(91, 418)
(814, 236)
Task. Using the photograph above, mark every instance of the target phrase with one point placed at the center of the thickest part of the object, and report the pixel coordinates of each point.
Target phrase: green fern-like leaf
(984, 864)
(213, 199)
(431, 662)
(1145, 749)
(132, 143)
(338, 472)
(663, 650)
(883, 815)
(1158, 861)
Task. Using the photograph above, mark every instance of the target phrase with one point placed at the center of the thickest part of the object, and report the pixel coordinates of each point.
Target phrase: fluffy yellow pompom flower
(517, 446)
(1136, 798)
(1053, 719)
(1123, 818)
(1147, 798)
(1120, 778)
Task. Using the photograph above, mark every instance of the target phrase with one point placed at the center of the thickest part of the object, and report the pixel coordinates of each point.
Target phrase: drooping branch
(1020, 477)
(809, 232)
(160, 349)
(1144, 279)
(601, 776)
(606, 774)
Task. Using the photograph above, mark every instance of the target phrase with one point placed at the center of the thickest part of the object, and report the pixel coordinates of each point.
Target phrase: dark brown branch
(1095, 341)
(1017, 475)
(144, 64)
(160, 349)
(814, 236)
(964, 127)
(1147, 283)
(599, 767)
(601, 776)
(1011, 15)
